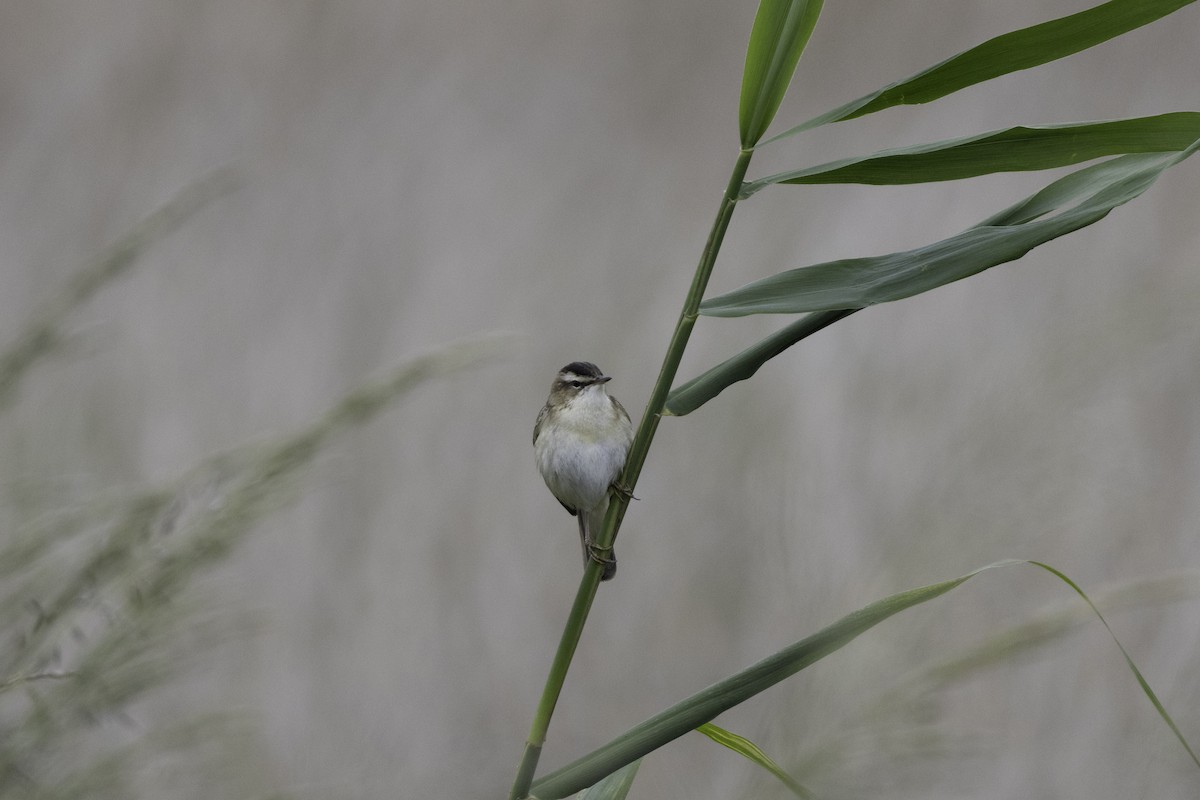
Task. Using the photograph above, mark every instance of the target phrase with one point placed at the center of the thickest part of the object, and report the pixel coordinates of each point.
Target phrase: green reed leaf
(781, 30)
(1017, 149)
(1004, 54)
(704, 706)
(861, 282)
(699, 390)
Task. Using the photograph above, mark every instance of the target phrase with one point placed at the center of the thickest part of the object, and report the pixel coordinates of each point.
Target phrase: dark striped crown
(584, 369)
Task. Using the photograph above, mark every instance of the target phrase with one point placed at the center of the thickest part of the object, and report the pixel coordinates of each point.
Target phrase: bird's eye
(577, 384)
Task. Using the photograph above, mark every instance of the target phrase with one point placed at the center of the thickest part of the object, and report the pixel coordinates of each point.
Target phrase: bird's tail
(593, 521)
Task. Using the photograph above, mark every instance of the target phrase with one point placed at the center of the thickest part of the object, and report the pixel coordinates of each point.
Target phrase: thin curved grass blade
(1007, 236)
(1017, 149)
(706, 705)
(1051, 624)
(704, 387)
(754, 753)
(1137, 673)
(1010, 52)
(781, 30)
(1071, 188)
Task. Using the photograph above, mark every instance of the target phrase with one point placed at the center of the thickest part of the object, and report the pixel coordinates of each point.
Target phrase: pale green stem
(633, 468)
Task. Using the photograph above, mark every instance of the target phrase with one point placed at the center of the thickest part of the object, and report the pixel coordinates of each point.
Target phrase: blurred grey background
(415, 173)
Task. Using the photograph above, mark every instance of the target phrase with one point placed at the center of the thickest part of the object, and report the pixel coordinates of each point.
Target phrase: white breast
(581, 449)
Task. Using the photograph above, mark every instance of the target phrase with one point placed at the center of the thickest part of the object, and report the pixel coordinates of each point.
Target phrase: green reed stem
(633, 468)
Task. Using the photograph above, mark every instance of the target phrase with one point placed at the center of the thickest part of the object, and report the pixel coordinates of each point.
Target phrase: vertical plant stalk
(679, 340)
(629, 476)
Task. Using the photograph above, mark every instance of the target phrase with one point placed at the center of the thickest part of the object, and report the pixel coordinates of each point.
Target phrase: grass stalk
(588, 586)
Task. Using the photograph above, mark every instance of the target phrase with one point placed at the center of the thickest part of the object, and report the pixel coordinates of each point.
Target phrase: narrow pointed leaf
(1007, 53)
(690, 396)
(1137, 673)
(1068, 189)
(704, 706)
(1051, 624)
(699, 390)
(861, 282)
(747, 748)
(615, 787)
(1014, 149)
(781, 30)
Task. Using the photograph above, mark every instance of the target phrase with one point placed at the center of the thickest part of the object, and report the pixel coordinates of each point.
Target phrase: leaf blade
(1137, 673)
(1016, 149)
(781, 30)
(1001, 55)
(752, 752)
(690, 396)
(861, 282)
(704, 706)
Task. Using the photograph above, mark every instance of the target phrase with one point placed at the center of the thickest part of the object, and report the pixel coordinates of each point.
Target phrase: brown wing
(621, 409)
(537, 428)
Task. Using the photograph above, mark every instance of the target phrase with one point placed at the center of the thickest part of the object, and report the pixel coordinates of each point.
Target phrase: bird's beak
(603, 379)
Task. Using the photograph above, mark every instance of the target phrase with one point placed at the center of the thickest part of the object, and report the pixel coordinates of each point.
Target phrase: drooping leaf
(1137, 673)
(781, 30)
(1068, 189)
(1004, 54)
(861, 282)
(754, 753)
(699, 390)
(704, 706)
(1013, 149)
(1050, 625)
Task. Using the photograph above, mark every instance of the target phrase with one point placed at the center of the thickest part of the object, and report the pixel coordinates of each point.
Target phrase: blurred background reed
(377, 621)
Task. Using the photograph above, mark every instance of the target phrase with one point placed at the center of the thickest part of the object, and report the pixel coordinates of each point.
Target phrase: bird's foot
(623, 490)
(601, 555)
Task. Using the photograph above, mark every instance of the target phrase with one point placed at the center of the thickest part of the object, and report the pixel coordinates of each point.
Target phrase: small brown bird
(581, 440)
